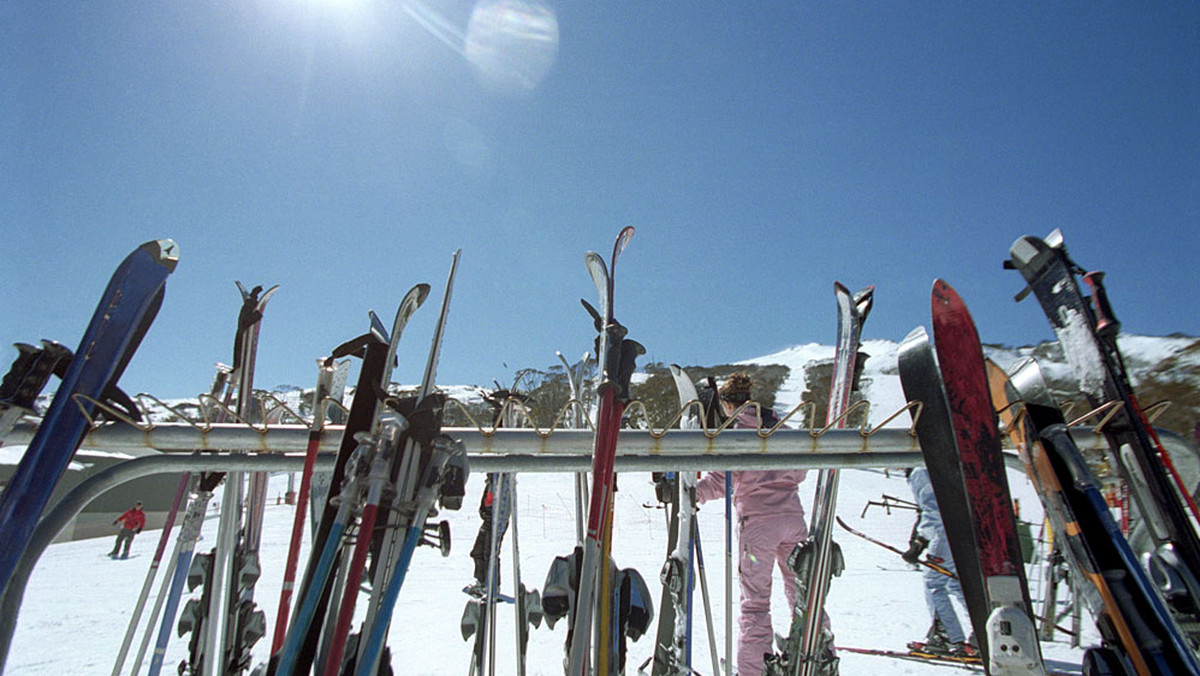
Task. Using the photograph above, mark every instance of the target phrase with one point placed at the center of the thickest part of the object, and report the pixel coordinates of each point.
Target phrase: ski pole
(324, 378)
(134, 617)
(712, 637)
(728, 573)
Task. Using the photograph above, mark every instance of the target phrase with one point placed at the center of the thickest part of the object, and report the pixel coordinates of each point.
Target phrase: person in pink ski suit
(770, 524)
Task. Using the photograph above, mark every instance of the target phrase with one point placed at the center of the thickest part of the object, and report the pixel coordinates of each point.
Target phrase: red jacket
(133, 518)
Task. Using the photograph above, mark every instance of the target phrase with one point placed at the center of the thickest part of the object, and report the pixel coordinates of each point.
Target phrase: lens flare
(512, 43)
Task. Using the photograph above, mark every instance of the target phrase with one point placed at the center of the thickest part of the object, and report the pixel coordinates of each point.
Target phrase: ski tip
(417, 294)
(165, 252)
(944, 296)
(864, 300)
(378, 330)
(623, 238)
(917, 335)
(1029, 254)
(595, 261)
(266, 296)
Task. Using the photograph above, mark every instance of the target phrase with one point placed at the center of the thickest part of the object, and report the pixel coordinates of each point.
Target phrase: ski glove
(916, 545)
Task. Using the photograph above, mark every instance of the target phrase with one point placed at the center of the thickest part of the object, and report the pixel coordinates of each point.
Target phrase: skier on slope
(945, 634)
(770, 524)
(132, 520)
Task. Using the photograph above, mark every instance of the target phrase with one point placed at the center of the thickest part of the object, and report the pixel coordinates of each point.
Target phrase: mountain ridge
(1162, 368)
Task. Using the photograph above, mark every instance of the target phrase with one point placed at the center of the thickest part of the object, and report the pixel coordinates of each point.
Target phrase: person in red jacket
(132, 522)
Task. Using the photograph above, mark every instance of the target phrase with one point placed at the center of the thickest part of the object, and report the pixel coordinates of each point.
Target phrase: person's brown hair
(736, 389)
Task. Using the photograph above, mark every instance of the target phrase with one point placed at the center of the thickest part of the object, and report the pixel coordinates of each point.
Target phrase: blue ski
(125, 311)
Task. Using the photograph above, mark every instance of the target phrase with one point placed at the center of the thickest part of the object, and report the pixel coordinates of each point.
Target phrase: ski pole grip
(1106, 323)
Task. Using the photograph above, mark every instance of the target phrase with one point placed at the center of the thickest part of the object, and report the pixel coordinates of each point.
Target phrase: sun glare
(512, 43)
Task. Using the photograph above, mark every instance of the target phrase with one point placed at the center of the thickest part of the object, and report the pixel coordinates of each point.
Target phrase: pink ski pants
(765, 541)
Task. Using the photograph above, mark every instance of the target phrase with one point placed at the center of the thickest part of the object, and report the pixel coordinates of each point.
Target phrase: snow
(1151, 350)
(797, 358)
(78, 601)
(1082, 352)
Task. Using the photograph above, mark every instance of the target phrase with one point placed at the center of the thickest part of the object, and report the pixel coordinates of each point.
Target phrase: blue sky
(344, 149)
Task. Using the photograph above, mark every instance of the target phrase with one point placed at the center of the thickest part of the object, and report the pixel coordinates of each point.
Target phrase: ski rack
(262, 447)
(554, 448)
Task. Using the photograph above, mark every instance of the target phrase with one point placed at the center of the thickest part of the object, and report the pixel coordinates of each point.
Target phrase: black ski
(1087, 331)
(1136, 627)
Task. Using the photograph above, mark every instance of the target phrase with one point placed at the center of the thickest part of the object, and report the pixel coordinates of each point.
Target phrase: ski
(225, 624)
(673, 647)
(808, 650)
(327, 369)
(237, 567)
(705, 417)
(528, 603)
(482, 608)
(184, 572)
(498, 511)
(377, 348)
(254, 303)
(479, 615)
(968, 663)
(124, 314)
(576, 421)
(1010, 645)
(924, 562)
(615, 355)
(180, 568)
(922, 382)
(1134, 623)
(431, 467)
(1087, 331)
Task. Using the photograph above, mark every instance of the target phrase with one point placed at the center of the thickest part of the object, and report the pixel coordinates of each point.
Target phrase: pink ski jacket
(756, 492)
